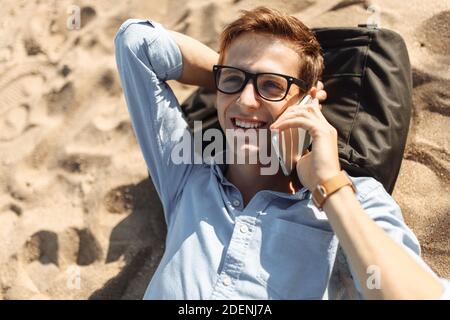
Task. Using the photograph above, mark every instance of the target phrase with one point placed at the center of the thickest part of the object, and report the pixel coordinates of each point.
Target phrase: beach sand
(79, 218)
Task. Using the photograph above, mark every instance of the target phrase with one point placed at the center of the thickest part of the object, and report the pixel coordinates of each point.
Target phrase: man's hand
(318, 92)
(322, 162)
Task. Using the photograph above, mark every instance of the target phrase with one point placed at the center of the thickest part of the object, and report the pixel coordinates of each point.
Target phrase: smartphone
(289, 144)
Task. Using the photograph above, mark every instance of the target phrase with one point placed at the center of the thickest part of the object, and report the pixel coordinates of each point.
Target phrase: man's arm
(366, 244)
(198, 60)
(147, 57)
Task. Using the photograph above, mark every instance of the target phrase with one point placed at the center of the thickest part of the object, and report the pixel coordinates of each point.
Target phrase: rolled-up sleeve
(146, 58)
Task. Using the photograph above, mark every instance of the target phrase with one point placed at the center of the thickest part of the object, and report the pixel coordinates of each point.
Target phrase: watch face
(322, 190)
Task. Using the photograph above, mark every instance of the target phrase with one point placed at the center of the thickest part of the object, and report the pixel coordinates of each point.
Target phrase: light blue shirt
(280, 246)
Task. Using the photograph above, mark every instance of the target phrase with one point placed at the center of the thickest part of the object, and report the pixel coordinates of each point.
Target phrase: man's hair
(272, 22)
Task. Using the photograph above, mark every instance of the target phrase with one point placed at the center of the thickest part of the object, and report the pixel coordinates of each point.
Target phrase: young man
(234, 233)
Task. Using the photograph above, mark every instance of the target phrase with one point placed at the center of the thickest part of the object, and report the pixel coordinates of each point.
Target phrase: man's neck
(248, 179)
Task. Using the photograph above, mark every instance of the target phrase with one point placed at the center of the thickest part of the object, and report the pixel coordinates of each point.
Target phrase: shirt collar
(219, 170)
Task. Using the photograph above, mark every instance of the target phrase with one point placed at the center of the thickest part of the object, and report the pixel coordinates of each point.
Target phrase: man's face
(256, 53)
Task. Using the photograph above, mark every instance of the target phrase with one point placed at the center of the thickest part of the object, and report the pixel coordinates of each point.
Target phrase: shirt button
(244, 229)
(226, 281)
(236, 203)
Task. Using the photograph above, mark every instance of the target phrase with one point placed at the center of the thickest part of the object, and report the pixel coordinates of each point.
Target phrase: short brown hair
(286, 27)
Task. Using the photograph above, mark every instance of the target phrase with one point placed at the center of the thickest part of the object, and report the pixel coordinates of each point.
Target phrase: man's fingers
(321, 95)
(319, 85)
(305, 112)
(304, 123)
(313, 108)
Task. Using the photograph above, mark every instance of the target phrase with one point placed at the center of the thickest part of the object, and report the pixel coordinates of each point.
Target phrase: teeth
(247, 125)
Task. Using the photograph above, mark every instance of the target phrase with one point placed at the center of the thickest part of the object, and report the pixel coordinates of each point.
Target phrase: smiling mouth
(247, 124)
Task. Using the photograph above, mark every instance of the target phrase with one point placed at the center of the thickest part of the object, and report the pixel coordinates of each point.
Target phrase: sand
(79, 218)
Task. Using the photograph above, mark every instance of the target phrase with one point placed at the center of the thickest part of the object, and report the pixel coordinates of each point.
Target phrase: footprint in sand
(19, 89)
(109, 81)
(104, 133)
(15, 208)
(204, 21)
(429, 137)
(346, 3)
(32, 47)
(434, 33)
(60, 101)
(87, 14)
(72, 246)
(42, 246)
(82, 163)
(48, 258)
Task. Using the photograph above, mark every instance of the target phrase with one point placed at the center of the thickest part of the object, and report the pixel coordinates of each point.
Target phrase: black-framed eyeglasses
(269, 86)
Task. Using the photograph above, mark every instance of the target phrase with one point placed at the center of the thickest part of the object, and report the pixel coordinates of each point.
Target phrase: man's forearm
(366, 244)
(198, 60)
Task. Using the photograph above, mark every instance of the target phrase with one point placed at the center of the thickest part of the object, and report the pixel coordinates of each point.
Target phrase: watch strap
(330, 186)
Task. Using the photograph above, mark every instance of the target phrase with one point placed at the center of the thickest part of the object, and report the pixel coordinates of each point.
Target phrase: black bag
(368, 80)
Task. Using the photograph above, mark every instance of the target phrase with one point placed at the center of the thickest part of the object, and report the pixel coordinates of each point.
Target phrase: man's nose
(248, 97)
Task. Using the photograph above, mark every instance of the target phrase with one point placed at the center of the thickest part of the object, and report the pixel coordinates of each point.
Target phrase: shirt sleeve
(386, 213)
(146, 57)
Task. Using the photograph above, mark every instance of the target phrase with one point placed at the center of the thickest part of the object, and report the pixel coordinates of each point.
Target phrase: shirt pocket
(296, 260)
